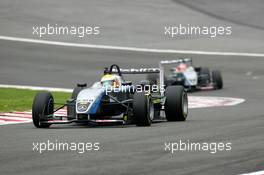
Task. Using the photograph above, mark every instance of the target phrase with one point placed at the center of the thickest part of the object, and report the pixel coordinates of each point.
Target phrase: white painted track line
(255, 173)
(135, 49)
(38, 88)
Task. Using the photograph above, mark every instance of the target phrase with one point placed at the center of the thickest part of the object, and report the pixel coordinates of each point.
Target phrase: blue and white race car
(114, 100)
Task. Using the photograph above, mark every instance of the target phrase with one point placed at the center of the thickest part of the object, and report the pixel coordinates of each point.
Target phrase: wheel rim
(185, 104)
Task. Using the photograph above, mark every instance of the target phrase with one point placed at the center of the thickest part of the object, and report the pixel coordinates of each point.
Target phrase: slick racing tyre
(43, 104)
(176, 104)
(217, 79)
(143, 111)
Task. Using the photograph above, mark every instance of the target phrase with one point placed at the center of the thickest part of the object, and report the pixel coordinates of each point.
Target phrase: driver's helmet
(111, 80)
(181, 67)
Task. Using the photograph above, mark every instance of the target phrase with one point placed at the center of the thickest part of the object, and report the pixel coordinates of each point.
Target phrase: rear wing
(139, 71)
(178, 61)
(115, 69)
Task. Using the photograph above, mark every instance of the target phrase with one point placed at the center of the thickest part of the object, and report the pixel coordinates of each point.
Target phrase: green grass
(12, 99)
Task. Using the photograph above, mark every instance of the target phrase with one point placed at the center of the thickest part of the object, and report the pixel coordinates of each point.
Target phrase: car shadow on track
(110, 126)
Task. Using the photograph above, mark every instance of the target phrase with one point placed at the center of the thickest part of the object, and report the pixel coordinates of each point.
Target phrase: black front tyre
(217, 79)
(43, 104)
(143, 109)
(176, 105)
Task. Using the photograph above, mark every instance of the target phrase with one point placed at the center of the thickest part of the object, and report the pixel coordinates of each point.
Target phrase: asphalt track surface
(130, 149)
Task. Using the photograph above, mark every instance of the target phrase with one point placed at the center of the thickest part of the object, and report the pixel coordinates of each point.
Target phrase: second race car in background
(192, 78)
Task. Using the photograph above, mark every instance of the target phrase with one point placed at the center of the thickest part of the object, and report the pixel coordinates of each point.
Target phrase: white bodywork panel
(89, 95)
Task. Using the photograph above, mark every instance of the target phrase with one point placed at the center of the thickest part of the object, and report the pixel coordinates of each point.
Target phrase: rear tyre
(217, 79)
(176, 105)
(143, 109)
(43, 104)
